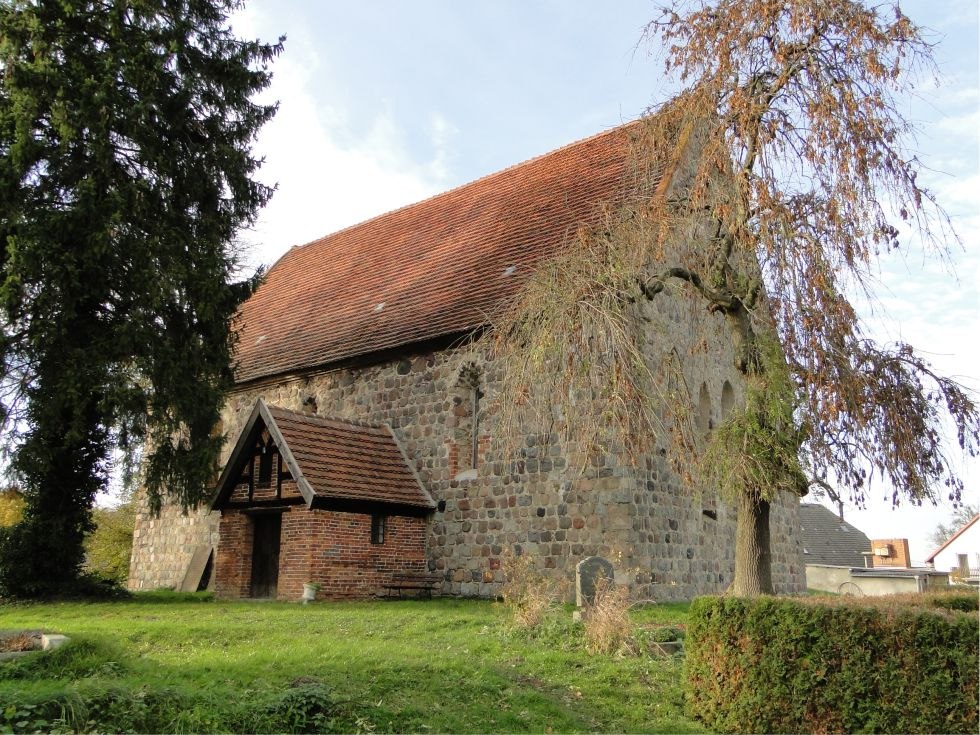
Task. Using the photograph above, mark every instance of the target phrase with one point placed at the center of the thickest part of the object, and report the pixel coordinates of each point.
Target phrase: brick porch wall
(328, 547)
(233, 562)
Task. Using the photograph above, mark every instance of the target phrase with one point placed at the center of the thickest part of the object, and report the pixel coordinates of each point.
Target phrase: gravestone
(588, 572)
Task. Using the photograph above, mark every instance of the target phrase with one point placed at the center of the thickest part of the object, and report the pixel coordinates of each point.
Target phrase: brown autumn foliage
(11, 507)
(528, 594)
(766, 192)
(606, 620)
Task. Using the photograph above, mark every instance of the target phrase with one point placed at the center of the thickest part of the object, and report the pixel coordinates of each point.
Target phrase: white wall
(827, 578)
(967, 543)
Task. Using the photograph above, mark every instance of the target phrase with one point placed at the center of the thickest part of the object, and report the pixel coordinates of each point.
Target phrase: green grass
(165, 663)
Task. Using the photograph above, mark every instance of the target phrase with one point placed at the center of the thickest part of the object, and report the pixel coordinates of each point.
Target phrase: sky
(386, 102)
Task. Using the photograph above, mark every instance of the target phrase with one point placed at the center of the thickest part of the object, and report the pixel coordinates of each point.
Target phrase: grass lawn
(167, 664)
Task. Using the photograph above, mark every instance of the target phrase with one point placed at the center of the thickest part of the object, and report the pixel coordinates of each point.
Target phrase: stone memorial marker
(588, 572)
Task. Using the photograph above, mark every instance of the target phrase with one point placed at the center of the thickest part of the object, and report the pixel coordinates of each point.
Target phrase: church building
(361, 439)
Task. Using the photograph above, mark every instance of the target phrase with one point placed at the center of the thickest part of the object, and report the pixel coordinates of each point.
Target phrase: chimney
(890, 552)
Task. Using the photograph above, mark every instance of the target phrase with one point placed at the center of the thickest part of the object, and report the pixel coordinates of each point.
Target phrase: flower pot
(309, 592)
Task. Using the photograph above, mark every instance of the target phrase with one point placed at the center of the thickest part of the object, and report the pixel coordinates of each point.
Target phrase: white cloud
(329, 174)
(441, 132)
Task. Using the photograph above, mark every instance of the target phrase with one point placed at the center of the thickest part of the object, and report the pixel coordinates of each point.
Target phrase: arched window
(466, 407)
(703, 417)
(727, 400)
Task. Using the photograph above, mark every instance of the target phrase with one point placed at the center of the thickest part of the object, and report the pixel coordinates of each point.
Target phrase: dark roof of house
(829, 540)
(432, 269)
(330, 459)
(952, 538)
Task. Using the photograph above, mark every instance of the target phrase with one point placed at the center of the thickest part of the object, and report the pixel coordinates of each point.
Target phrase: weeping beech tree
(765, 193)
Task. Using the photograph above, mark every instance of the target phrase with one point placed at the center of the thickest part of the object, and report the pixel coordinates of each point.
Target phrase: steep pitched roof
(829, 540)
(428, 270)
(330, 459)
(952, 538)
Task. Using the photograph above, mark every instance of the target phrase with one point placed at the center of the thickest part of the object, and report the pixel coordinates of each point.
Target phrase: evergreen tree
(125, 173)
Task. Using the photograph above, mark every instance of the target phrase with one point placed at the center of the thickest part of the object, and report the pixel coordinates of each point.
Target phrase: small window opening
(467, 400)
(703, 417)
(378, 524)
(265, 464)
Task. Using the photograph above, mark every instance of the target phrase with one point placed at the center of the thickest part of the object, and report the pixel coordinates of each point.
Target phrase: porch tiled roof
(431, 269)
(341, 460)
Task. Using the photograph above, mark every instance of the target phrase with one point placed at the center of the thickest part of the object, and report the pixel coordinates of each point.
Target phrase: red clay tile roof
(431, 269)
(349, 461)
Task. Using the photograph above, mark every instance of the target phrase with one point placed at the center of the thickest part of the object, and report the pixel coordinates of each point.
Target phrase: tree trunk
(753, 560)
(63, 463)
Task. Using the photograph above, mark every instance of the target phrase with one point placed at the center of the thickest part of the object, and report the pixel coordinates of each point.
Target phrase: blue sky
(386, 102)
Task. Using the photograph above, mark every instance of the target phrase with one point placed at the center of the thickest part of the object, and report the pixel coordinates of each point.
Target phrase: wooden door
(265, 554)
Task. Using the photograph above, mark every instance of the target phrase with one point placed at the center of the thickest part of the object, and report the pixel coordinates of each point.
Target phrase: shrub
(307, 706)
(109, 546)
(777, 665)
(968, 602)
(607, 620)
(526, 592)
(11, 507)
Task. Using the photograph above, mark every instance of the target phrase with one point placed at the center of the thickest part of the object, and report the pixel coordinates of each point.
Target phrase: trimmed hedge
(818, 665)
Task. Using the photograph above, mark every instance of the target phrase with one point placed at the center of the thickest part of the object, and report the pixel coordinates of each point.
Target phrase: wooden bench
(420, 583)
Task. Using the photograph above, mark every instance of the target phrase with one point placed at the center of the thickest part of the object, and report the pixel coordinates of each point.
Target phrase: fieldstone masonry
(673, 543)
(164, 546)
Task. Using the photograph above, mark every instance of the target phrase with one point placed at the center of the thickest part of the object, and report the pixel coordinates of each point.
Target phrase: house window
(378, 524)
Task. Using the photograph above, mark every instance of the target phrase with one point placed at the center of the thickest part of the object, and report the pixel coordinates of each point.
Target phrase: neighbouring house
(960, 555)
(840, 558)
(829, 540)
(363, 437)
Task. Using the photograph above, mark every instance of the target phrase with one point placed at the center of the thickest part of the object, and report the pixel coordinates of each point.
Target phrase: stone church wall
(665, 542)
(163, 546)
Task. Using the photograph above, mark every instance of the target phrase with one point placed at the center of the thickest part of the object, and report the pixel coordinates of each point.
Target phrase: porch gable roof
(330, 459)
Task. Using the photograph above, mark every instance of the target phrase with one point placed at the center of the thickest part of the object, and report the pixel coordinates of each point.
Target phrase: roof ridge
(447, 192)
